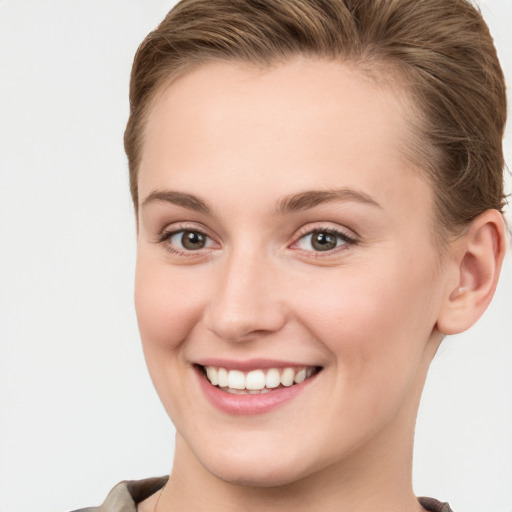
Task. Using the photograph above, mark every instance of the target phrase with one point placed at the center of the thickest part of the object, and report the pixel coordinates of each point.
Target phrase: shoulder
(125, 495)
(433, 505)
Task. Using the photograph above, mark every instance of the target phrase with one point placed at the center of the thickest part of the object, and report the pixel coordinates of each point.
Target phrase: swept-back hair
(439, 51)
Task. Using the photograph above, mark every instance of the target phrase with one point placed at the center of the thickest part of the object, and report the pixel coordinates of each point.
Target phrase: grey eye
(189, 240)
(192, 240)
(322, 241)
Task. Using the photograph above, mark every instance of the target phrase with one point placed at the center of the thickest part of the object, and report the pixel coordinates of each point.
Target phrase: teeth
(287, 377)
(236, 379)
(273, 378)
(300, 376)
(256, 381)
(222, 377)
(212, 375)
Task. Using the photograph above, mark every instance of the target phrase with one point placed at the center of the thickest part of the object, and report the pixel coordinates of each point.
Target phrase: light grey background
(78, 411)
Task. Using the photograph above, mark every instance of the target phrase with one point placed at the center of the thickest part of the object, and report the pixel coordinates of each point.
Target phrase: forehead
(298, 125)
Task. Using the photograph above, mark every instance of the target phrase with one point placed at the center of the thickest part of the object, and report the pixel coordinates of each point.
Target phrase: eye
(189, 240)
(186, 240)
(323, 240)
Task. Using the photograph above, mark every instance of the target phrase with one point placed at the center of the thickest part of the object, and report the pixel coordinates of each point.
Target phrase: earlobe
(480, 253)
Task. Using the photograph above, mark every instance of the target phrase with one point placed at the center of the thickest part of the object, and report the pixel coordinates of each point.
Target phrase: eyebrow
(312, 198)
(177, 198)
(289, 204)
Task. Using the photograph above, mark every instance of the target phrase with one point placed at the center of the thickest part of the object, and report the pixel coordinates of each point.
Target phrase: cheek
(371, 318)
(375, 329)
(168, 304)
(168, 307)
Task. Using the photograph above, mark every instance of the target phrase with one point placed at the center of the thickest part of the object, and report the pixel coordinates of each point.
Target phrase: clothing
(125, 496)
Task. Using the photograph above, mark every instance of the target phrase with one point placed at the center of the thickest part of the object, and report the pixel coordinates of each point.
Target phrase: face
(285, 249)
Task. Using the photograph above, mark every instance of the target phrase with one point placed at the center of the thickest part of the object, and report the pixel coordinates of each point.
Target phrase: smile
(257, 381)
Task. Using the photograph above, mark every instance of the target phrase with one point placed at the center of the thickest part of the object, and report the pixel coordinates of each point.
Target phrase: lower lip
(250, 404)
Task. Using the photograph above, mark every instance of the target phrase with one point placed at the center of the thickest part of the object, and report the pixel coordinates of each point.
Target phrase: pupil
(192, 240)
(323, 241)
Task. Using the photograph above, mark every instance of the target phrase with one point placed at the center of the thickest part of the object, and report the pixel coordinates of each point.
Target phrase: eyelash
(346, 240)
(165, 236)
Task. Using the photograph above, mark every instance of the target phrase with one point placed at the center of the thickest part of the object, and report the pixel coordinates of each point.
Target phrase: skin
(371, 313)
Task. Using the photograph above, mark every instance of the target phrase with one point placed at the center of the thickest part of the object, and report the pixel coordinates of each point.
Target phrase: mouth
(257, 381)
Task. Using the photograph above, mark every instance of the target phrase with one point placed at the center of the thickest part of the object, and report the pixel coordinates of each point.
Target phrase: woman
(318, 191)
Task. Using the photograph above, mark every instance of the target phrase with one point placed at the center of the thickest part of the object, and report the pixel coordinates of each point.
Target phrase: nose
(246, 303)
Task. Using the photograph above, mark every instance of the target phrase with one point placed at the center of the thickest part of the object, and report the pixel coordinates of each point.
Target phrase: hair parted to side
(439, 50)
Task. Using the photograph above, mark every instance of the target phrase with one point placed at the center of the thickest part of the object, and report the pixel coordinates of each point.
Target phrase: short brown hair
(441, 50)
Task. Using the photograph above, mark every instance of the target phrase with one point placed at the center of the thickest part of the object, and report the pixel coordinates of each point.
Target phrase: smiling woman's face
(281, 227)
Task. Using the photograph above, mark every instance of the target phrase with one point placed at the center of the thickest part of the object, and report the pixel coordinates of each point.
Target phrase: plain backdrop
(78, 411)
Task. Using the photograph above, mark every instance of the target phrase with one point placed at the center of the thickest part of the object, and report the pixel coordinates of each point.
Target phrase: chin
(256, 465)
(251, 474)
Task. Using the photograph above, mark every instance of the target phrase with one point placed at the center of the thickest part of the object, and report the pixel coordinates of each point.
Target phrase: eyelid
(175, 227)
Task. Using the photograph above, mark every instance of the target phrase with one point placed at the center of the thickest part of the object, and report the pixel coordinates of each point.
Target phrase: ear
(479, 255)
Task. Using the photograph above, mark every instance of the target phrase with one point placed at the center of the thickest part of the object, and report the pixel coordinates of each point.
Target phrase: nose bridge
(245, 302)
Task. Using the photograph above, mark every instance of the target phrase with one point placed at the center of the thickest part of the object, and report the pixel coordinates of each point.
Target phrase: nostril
(244, 306)
(246, 326)
(238, 332)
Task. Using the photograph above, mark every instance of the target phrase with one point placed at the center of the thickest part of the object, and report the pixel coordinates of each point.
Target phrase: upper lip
(251, 364)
